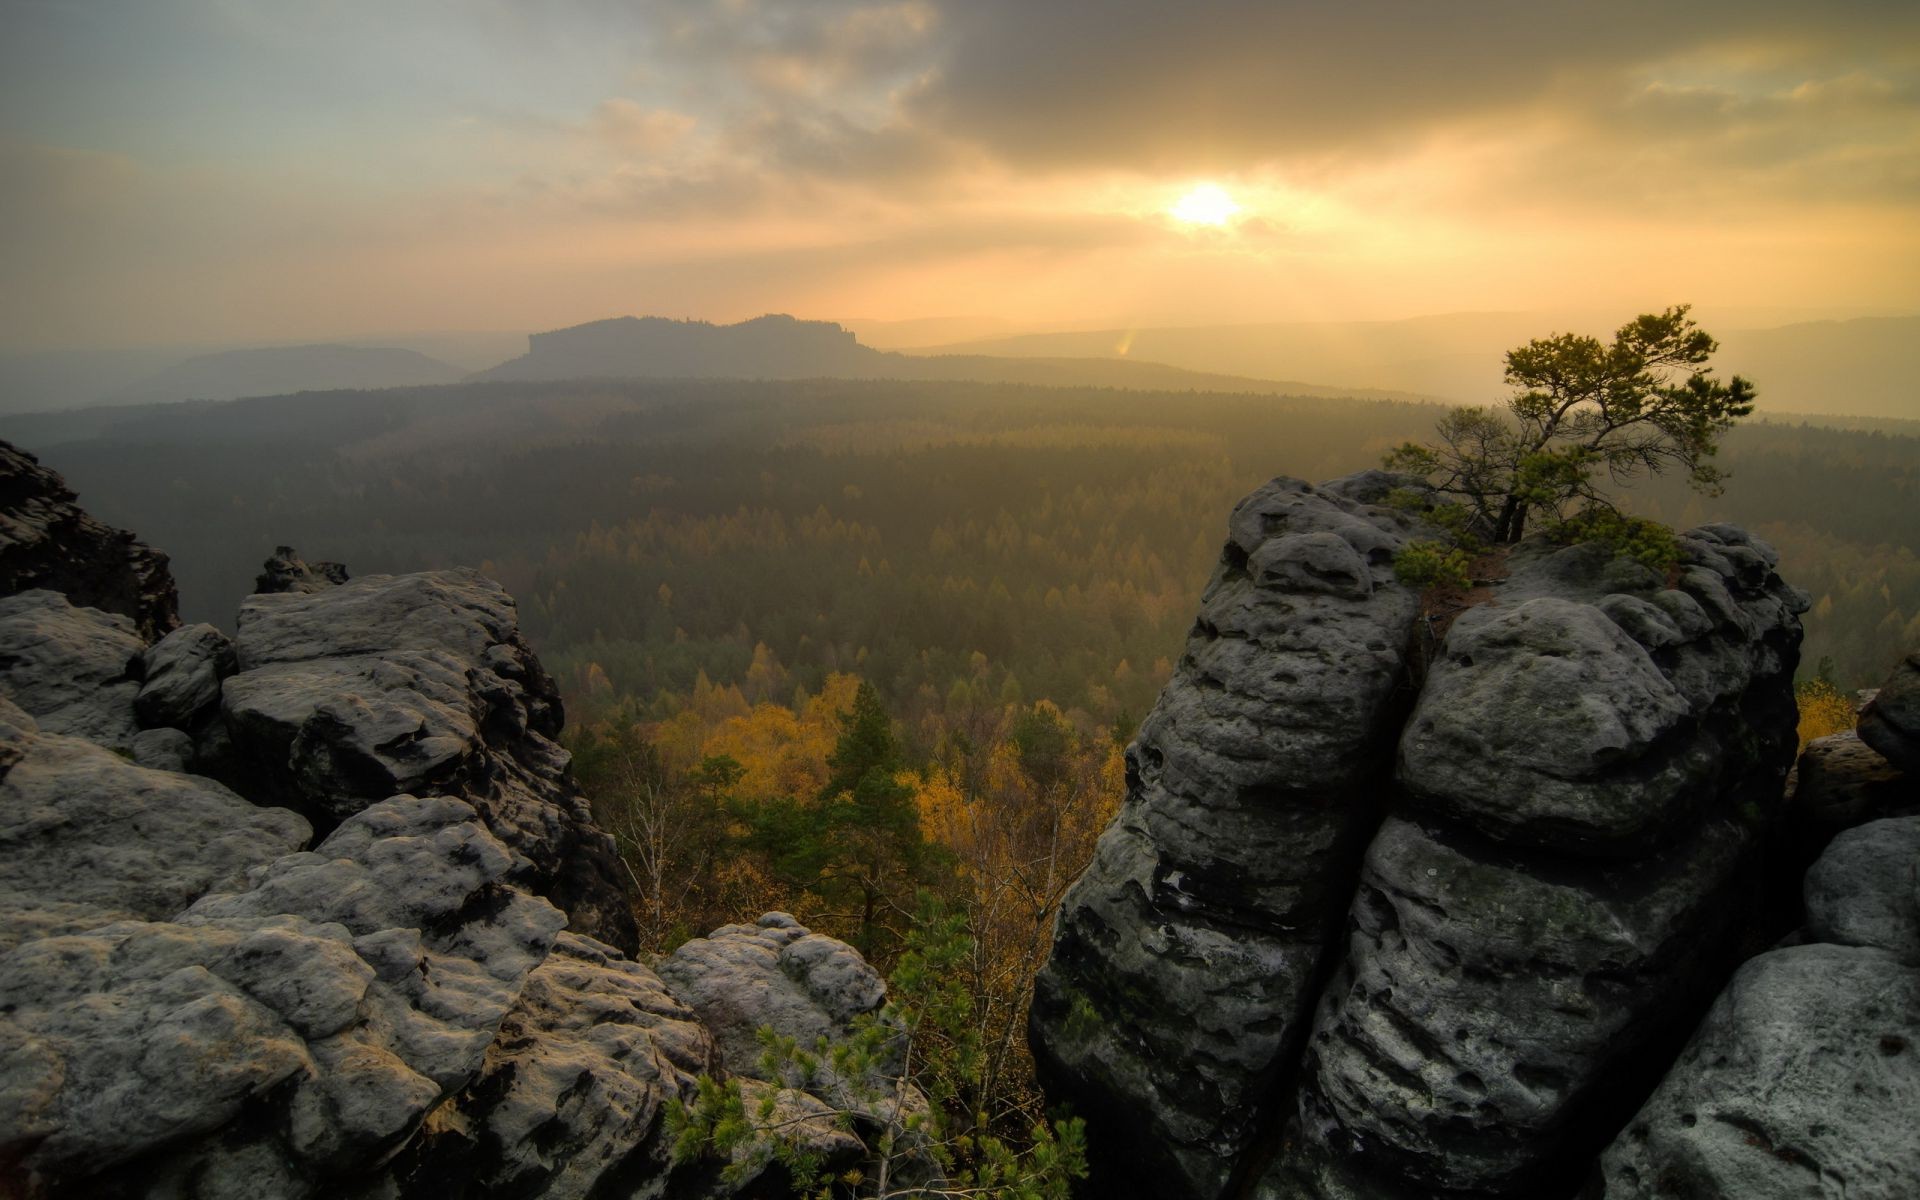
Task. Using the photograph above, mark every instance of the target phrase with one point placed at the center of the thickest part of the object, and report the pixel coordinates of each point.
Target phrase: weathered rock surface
(571, 1097)
(1842, 782)
(181, 677)
(778, 975)
(1865, 890)
(775, 974)
(423, 684)
(1802, 1081)
(288, 572)
(87, 838)
(368, 976)
(74, 670)
(47, 541)
(1891, 723)
(1188, 957)
(1573, 831)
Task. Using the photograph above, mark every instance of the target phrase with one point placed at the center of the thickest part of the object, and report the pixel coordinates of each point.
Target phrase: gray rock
(163, 749)
(1865, 890)
(779, 976)
(88, 838)
(288, 572)
(1483, 1002)
(1802, 1081)
(342, 996)
(1891, 722)
(1842, 782)
(1544, 723)
(1588, 709)
(774, 974)
(419, 684)
(1590, 756)
(182, 677)
(1184, 964)
(47, 541)
(75, 670)
(573, 1096)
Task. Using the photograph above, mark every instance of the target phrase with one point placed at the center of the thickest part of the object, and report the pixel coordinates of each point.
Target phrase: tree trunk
(1513, 519)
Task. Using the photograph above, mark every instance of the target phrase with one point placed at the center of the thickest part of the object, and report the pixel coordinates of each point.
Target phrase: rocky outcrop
(288, 572)
(198, 998)
(1311, 963)
(1842, 782)
(1804, 1077)
(88, 838)
(1188, 957)
(421, 684)
(1891, 723)
(47, 541)
(74, 670)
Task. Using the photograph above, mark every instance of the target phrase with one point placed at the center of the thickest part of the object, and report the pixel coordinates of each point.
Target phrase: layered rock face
(318, 912)
(47, 541)
(1188, 957)
(1392, 911)
(416, 683)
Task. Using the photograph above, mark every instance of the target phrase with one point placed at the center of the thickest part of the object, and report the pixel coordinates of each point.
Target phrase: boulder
(420, 684)
(1865, 890)
(1802, 1081)
(1842, 782)
(288, 572)
(181, 676)
(1891, 721)
(163, 749)
(774, 974)
(47, 541)
(779, 976)
(74, 670)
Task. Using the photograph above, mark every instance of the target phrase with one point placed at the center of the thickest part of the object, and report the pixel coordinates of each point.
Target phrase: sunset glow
(1206, 204)
(195, 171)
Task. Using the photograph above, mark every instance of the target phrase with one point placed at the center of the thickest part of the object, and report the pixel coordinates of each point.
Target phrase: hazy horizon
(197, 172)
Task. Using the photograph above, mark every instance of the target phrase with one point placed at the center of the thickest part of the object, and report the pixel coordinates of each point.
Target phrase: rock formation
(318, 911)
(1891, 723)
(288, 572)
(47, 541)
(1411, 903)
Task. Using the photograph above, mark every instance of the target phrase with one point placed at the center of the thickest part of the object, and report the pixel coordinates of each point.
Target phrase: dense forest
(945, 541)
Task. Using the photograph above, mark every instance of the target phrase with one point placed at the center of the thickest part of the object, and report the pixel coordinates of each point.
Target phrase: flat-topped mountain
(777, 346)
(769, 347)
(278, 370)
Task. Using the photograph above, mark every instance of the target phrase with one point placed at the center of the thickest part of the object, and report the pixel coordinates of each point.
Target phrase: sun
(1206, 204)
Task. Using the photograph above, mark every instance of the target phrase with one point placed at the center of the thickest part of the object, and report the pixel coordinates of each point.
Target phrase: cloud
(629, 128)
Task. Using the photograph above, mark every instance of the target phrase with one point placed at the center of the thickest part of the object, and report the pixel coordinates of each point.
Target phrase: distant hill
(783, 347)
(770, 347)
(1863, 367)
(278, 370)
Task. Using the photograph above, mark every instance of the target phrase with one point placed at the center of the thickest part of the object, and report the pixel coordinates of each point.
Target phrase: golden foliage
(1824, 710)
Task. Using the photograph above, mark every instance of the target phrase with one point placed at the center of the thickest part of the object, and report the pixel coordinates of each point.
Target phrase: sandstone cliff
(1409, 904)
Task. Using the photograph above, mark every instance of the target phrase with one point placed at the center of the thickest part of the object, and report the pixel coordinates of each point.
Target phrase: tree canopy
(1584, 413)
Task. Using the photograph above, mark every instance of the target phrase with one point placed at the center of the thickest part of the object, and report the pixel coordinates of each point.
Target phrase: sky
(176, 171)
